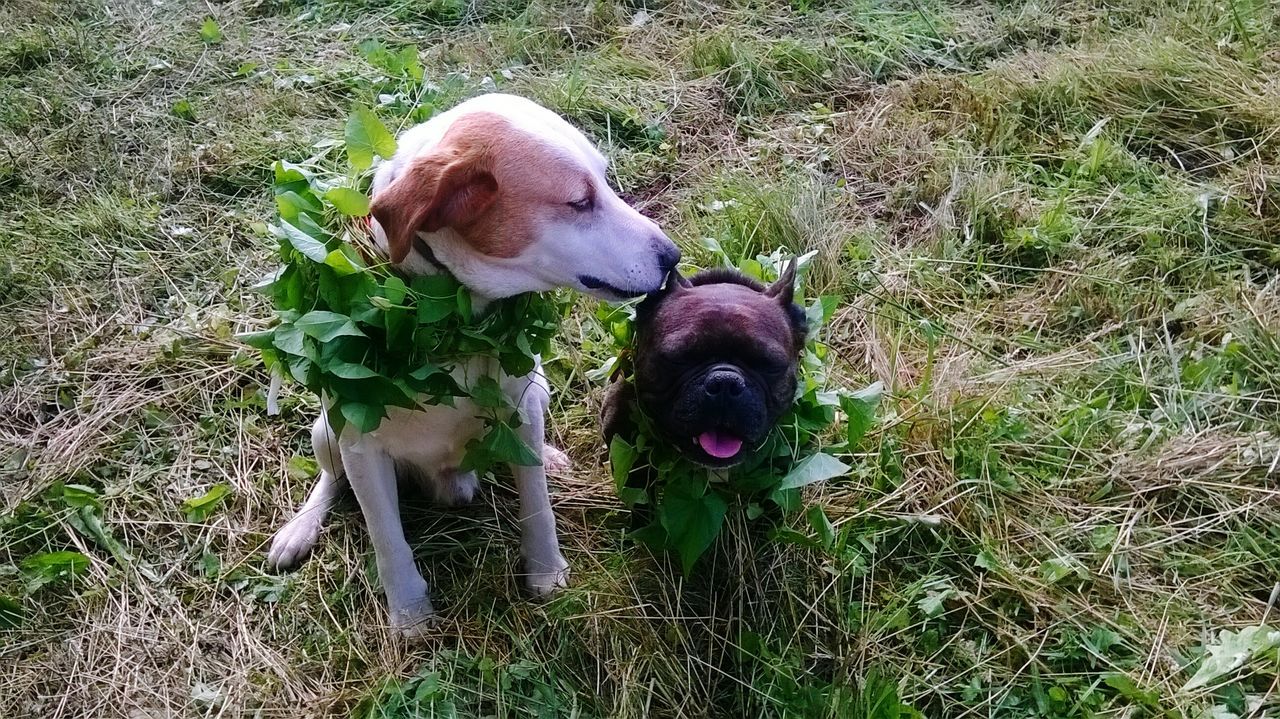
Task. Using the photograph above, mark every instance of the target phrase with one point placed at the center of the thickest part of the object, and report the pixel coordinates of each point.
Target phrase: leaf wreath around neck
(366, 338)
(681, 505)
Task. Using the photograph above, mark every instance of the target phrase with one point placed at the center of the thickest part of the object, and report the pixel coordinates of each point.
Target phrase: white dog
(510, 198)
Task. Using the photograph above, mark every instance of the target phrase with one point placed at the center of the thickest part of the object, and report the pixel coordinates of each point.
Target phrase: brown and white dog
(510, 198)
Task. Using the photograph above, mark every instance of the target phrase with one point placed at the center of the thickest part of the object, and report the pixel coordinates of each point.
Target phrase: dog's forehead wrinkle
(723, 317)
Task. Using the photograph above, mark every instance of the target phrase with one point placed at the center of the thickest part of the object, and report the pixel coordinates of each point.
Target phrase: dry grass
(1053, 226)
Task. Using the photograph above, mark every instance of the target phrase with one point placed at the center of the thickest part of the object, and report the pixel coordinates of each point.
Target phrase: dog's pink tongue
(719, 444)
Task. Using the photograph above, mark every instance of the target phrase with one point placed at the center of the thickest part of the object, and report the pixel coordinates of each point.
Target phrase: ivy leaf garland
(687, 503)
(365, 338)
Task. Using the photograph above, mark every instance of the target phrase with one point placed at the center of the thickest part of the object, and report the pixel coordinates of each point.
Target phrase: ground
(1053, 230)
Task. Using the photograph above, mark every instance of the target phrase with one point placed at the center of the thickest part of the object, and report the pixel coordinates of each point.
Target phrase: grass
(1054, 229)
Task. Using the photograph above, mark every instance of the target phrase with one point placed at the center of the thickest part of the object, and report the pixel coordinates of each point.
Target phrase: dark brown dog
(716, 357)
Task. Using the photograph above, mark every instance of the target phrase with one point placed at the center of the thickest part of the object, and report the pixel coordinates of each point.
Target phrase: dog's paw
(553, 460)
(414, 619)
(548, 577)
(294, 541)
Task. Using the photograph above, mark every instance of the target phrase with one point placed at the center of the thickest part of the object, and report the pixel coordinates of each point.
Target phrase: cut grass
(1054, 229)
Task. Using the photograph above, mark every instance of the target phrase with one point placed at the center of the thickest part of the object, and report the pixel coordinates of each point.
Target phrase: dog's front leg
(545, 568)
(372, 475)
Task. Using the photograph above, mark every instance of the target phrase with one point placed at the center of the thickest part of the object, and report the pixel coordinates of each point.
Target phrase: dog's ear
(451, 186)
(785, 288)
(615, 412)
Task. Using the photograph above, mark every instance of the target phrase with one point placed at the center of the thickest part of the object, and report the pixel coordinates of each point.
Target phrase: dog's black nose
(668, 254)
(723, 383)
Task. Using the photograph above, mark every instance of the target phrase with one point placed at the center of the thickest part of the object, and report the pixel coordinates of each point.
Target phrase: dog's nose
(723, 383)
(668, 254)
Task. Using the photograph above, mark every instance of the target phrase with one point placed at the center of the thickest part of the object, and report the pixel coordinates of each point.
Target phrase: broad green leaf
(814, 468)
(860, 411)
(324, 325)
(366, 136)
(425, 371)
(349, 370)
(302, 467)
(341, 262)
(352, 203)
(287, 172)
(210, 33)
(197, 509)
(505, 445)
(289, 339)
(78, 495)
(11, 613)
(622, 457)
(1232, 651)
(365, 417)
(257, 340)
(986, 559)
(394, 290)
(310, 247)
(43, 569)
(464, 303)
(431, 310)
(821, 526)
(292, 204)
(692, 520)
(1130, 690)
(933, 603)
(487, 393)
(1056, 569)
(184, 110)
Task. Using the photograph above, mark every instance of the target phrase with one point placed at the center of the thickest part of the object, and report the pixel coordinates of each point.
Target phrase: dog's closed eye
(586, 204)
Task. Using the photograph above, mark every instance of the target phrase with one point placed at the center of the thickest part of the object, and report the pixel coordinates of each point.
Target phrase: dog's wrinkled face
(511, 198)
(716, 362)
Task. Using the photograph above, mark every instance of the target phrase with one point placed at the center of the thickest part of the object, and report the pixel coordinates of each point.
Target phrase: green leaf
(78, 495)
(349, 370)
(199, 508)
(302, 467)
(499, 444)
(464, 303)
(487, 393)
(366, 136)
(292, 204)
(49, 567)
(246, 68)
(1232, 651)
(257, 340)
(11, 614)
(1056, 569)
(394, 290)
(365, 417)
(324, 325)
(692, 519)
(289, 339)
(210, 33)
(1128, 689)
(821, 526)
(814, 468)
(310, 247)
(341, 262)
(184, 110)
(352, 203)
(622, 457)
(860, 411)
(986, 559)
